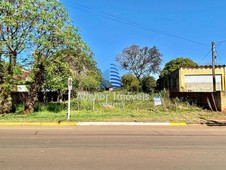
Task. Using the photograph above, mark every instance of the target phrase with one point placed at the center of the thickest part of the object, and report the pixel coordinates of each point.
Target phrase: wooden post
(213, 66)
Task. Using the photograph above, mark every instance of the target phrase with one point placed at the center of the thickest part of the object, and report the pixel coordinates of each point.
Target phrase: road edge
(62, 123)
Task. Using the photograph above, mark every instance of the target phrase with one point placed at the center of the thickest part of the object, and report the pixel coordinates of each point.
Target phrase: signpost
(157, 101)
(69, 96)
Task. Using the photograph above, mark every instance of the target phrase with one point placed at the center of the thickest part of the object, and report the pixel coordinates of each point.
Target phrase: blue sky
(109, 26)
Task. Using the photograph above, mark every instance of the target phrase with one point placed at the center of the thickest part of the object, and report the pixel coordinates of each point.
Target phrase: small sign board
(157, 101)
(22, 88)
(69, 83)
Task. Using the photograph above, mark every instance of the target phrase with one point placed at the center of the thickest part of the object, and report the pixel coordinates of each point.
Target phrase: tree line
(39, 36)
(142, 62)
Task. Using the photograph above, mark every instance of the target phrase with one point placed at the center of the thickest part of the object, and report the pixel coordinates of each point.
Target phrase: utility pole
(213, 66)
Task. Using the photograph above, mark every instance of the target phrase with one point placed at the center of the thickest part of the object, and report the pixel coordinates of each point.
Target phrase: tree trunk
(6, 103)
(1, 68)
(12, 61)
(32, 97)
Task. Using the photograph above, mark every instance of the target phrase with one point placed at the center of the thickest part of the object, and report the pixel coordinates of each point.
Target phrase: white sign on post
(157, 100)
(69, 83)
(69, 96)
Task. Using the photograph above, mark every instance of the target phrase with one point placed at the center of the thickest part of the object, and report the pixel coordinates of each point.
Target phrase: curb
(37, 123)
(130, 124)
(93, 124)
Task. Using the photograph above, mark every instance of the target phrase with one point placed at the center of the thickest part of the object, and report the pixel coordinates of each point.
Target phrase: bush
(52, 107)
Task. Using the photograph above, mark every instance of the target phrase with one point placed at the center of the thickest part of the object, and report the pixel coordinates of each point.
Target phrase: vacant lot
(107, 107)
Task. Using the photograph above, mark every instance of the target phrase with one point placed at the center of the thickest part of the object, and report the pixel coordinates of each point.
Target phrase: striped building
(115, 79)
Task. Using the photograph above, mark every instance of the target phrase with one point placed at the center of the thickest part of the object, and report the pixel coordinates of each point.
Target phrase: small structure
(194, 79)
(197, 81)
(22, 78)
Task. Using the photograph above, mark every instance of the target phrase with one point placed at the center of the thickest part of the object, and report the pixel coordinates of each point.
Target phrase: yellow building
(194, 79)
(196, 83)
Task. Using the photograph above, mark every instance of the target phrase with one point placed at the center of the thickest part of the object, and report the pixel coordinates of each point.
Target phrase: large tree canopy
(83, 68)
(175, 64)
(17, 23)
(42, 29)
(140, 61)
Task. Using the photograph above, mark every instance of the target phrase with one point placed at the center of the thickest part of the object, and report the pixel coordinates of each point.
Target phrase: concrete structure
(197, 80)
(194, 79)
(223, 102)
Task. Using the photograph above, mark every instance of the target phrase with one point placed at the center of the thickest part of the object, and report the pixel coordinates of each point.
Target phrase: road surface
(112, 147)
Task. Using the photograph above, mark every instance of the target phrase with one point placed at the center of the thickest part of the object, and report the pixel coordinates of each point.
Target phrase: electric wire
(219, 45)
(221, 42)
(218, 57)
(204, 56)
(131, 23)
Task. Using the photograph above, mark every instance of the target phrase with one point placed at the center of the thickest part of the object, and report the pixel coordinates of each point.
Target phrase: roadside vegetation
(116, 110)
(39, 37)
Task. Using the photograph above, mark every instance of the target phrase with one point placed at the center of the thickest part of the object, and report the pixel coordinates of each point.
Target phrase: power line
(218, 56)
(131, 23)
(221, 42)
(205, 55)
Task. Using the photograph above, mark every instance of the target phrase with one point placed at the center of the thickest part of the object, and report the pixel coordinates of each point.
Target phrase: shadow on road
(214, 122)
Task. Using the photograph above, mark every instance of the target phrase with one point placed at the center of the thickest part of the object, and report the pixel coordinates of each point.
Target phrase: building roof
(23, 76)
(204, 66)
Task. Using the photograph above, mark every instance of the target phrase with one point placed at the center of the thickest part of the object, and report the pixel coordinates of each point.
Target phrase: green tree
(56, 77)
(130, 83)
(140, 61)
(1, 68)
(175, 64)
(148, 84)
(42, 29)
(53, 33)
(17, 19)
(80, 62)
(5, 98)
(90, 81)
(83, 68)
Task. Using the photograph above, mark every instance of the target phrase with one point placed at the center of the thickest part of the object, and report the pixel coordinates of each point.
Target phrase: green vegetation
(140, 61)
(53, 46)
(38, 35)
(175, 64)
(102, 109)
(132, 84)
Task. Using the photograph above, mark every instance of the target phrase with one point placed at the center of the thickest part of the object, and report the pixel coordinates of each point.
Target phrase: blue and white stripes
(115, 79)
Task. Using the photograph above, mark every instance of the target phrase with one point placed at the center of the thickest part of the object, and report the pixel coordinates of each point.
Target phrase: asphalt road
(118, 147)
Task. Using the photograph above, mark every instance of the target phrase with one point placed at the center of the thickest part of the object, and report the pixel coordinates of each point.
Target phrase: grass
(116, 115)
(129, 111)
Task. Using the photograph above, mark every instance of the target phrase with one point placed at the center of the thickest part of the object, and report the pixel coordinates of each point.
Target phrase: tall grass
(112, 109)
(111, 101)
